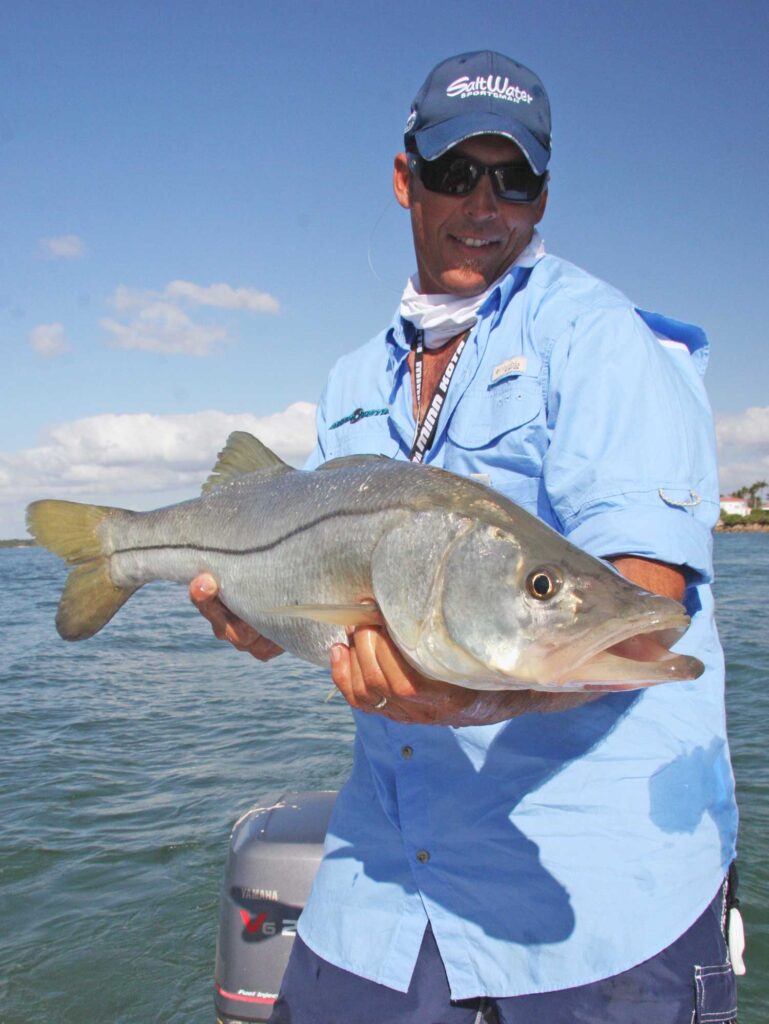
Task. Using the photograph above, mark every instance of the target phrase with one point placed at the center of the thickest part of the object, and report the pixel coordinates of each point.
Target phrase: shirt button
(423, 856)
(407, 752)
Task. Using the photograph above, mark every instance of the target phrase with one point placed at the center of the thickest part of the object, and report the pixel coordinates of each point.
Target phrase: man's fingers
(381, 661)
(264, 649)
(203, 591)
(341, 672)
(348, 678)
(226, 626)
(371, 669)
(203, 594)
(369, 681)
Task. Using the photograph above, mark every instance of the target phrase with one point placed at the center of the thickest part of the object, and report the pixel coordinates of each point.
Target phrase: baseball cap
(481, 93)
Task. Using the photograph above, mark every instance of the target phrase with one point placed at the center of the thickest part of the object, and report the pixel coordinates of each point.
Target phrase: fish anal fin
(242, 454)
(358, 614)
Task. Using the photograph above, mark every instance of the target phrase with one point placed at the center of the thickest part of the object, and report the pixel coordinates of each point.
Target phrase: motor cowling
(275, 850)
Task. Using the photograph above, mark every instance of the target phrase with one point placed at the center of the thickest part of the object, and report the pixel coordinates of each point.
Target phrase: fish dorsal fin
(353, 460)
(242, 454)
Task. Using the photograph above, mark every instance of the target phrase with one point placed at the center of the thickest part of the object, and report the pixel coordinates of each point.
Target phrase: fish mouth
(631, 656)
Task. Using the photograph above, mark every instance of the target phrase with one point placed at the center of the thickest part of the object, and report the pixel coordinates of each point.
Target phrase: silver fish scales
(472, 589)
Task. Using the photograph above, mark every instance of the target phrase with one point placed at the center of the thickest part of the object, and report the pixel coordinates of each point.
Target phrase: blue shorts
(690, 981)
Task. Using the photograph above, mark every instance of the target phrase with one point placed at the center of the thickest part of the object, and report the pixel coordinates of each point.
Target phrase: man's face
(464, 243)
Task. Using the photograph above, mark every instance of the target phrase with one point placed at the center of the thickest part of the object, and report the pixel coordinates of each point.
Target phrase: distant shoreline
(17, 543)
(742, 528)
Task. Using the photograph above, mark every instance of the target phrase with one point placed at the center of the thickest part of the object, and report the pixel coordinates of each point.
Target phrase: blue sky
(152, 150)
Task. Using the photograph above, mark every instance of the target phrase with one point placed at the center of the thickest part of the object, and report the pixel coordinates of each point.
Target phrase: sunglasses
(456, 175)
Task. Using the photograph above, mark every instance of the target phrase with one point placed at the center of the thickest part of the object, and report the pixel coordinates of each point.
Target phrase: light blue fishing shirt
(551, 850)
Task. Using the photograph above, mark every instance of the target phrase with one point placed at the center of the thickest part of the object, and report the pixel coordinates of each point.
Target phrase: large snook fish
(473, 589)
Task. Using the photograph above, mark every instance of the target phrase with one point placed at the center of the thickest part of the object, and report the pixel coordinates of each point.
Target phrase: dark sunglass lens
(456, 175)
(452, 175)
(459, 177)
(517, 182)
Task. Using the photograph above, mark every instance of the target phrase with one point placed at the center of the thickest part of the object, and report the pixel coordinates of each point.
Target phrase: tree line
(752, 493)
(756, 517)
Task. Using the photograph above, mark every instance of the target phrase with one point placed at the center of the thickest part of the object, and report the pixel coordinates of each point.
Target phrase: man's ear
(541, 204)
(401, 180)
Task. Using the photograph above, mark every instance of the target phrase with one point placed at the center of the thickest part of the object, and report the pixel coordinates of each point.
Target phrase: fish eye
(543, 583)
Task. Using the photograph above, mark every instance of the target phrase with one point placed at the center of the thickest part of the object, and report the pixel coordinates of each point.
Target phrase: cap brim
(434, 141)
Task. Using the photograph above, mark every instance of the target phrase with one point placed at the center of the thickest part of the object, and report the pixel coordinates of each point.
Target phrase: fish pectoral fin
(358, 614)
(241, 455)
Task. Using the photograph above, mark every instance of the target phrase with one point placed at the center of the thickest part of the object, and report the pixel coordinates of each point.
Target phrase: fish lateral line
(258, 548)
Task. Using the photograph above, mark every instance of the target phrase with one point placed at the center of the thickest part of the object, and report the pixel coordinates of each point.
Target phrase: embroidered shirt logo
(488, 85)
(357, 415)
(510, 366)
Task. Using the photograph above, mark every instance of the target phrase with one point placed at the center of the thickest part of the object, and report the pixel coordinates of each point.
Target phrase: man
(484, 856)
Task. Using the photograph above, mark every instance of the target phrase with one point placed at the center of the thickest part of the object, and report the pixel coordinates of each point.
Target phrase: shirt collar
(401, 333)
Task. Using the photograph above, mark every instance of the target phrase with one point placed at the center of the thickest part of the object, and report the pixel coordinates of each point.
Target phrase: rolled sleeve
(646, 530)
(630, 468)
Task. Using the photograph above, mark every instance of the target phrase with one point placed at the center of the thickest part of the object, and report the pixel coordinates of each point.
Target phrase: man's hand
(226, 626)
(372, 669)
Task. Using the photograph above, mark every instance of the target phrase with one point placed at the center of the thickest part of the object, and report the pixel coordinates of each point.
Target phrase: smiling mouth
(474, 243)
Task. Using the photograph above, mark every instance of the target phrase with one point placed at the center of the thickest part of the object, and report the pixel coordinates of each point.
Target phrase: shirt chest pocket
(502, 425)
(368, 434)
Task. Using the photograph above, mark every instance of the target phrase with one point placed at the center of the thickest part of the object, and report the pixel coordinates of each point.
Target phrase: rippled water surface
(125, 760)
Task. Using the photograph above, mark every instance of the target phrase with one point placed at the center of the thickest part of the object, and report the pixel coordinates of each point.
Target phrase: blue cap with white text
(481, 93)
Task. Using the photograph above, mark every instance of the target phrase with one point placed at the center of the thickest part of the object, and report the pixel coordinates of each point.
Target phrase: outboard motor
(275, 850)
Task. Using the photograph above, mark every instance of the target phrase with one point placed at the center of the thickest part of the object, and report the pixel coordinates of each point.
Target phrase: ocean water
(125, 760)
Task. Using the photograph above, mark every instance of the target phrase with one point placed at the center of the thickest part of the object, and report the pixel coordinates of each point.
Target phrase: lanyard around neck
(427, 428)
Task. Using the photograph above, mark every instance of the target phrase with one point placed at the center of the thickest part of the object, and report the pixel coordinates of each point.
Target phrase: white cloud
(138, 459)
(749, 429)
(222, 296)
(156, 322)
(163, 327)
(63, 247)
(743, 447)
(49, 340)
(131, 298)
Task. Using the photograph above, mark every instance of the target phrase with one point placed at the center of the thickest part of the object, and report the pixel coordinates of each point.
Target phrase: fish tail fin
(89, 600)
(74, 531)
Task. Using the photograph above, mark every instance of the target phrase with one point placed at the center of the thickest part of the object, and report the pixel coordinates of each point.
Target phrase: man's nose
(482, 202)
